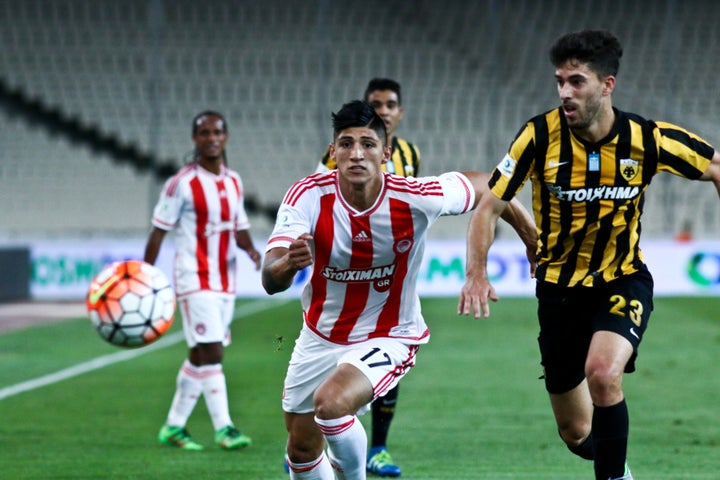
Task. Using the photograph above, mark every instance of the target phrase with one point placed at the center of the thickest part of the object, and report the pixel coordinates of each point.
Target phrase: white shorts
(384, 361)
(207, 317)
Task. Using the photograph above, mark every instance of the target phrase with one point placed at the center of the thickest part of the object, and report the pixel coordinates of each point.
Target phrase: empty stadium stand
(472, 72)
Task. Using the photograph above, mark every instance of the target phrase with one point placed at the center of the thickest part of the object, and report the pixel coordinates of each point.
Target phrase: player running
(364, 233)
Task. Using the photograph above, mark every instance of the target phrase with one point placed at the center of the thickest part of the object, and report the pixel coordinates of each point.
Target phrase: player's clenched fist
(300, 253)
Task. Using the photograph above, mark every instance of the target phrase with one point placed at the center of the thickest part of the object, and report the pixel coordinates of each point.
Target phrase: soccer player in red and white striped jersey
(364, 232)
(385, 95)
(203, 204)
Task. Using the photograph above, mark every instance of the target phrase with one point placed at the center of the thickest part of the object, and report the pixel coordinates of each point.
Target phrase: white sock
(318, 469)
(188, 389)
(215, 393)
(347, 441)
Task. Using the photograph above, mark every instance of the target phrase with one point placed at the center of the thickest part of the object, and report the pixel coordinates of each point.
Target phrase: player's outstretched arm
(281, 264)
(477, 290)
(514, 213)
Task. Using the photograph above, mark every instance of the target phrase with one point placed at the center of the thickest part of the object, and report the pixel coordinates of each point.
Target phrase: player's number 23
(634, 308)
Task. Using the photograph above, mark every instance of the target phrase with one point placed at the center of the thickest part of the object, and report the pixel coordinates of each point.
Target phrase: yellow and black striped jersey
(405, 159)
(588, 198)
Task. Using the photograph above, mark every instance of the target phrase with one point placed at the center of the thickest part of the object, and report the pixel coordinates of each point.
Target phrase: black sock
(383, 410)
(585, 449)
(610, 427)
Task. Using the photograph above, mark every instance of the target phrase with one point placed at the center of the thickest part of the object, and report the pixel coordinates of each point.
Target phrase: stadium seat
(277, 69)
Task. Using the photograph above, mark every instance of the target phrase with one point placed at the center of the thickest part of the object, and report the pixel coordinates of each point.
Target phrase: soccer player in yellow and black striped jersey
(385, 95)
(589, 164)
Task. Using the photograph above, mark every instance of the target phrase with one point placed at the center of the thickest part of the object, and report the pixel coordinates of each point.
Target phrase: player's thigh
(565, 335)
(570, 318)
(311, 362)
(345, 392)
(624, 309)
(383, 361)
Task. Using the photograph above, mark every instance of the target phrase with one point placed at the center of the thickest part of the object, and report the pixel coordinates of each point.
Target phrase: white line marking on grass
(89, 366)
(123, 355)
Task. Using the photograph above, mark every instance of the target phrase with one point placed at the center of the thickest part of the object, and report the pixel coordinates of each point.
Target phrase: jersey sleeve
(291, 222)
(458, 193)
(681, 152)
(510, 174)
(169, 207)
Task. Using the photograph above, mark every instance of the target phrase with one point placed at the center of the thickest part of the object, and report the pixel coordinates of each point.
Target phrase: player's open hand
(474, 297)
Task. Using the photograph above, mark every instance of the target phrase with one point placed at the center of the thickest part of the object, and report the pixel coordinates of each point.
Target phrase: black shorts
(569, 316)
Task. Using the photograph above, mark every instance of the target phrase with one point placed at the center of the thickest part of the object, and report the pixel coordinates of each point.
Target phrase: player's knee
(574, 433)
(328, 405)
(302, 449)
(604, 381)
(582, 447)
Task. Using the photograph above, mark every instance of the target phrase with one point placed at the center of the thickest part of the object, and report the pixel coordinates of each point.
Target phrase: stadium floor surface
(19, 315)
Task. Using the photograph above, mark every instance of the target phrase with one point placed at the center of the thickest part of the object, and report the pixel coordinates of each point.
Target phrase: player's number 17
(376, 364)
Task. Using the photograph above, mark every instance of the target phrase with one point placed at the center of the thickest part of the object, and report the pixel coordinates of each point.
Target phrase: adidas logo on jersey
(361, 237)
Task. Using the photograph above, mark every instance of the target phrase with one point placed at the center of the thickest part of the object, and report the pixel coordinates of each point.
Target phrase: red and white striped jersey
(363, 283)
(205, 210)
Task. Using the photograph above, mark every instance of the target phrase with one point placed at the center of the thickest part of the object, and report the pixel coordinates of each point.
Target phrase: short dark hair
(208, 113)
(383, 84)
(358, 113)
(599, 49)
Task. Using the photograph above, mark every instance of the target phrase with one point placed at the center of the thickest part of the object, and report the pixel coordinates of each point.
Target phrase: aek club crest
(629, 168)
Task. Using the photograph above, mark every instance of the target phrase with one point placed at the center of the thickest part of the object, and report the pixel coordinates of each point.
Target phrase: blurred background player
(385, 96)
(203, 204)
(362, 321)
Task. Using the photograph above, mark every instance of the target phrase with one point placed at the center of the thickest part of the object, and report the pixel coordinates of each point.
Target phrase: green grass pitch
(472, 408)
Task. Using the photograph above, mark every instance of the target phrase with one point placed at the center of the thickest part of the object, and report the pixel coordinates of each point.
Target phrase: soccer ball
(131, 303)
